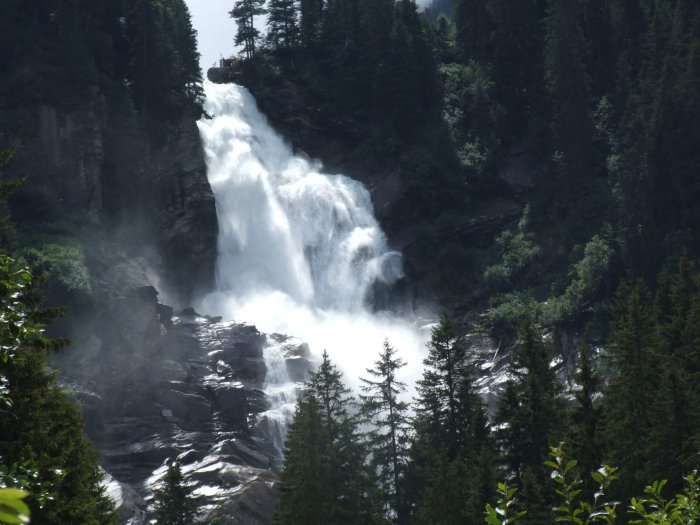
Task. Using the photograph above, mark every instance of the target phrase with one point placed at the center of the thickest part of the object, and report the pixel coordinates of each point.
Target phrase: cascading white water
(298, 249)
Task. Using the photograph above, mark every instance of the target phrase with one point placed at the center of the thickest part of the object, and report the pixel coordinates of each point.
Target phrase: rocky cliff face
(157, 386)
(95, 168)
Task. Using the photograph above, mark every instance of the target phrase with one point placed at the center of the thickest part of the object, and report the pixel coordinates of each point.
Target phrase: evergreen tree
(185, 38)
(163, 68)
(442, 390)
(247, 35)
(516, 58)
(173, 502)
(283, 24)
(304, 472)
(529, 420)
(326, 478)
(568, 84)
(452, 458)
(42, 428)
(674, 419)
(387, 417)
(584, 437)
(631, 353)
(311, 12)
(473, 29)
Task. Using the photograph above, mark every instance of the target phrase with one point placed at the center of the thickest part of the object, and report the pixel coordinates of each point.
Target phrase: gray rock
(188, 407)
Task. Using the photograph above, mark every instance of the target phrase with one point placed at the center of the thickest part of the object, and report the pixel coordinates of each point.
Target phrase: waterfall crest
(299, 249)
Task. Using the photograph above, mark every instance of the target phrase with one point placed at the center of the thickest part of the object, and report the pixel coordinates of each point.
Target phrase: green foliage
(655, 509)
(387, 417)
(62, 263)
(20, 324)
(472, 113)
(7, 228)
(451, 475)
(504, 513)
(247, 35)
(529, 419)
(517, 250)
(586, 279)
(326, 478)
(173, 501)
(572, 506)
(13, 510)
(283, 24)
(44, 448)
(163, 68)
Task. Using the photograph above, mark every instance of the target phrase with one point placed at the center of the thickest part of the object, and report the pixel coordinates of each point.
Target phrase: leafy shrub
(471, 112)
(517, 249)
(573, 508)
(586, 278)
(13, 509)
(62, 262)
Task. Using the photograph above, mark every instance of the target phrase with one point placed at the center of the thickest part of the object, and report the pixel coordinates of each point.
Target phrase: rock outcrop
(95, 169)
(156, 386)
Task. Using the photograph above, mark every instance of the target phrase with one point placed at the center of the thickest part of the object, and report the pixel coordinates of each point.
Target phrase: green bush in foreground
(571, 507)
(13, 509)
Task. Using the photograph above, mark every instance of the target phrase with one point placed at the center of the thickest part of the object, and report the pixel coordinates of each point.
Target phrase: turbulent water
(299, 250)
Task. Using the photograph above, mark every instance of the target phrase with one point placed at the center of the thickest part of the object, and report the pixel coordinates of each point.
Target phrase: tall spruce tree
(173, 501)
(442, 389)
(451, 473)
(283, 24)
(326, 478)
(529, 418)
(473, 23)
(674, 419)
(584, 434)
(311, 14)
(247, 35)
(387, 416)
(304, 472)
(568, 84)
(631, 354)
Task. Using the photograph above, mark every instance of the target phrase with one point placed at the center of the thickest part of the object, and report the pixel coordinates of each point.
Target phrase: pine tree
(584, 438)
(529, 420)
(173, 502)
(516, 58)
(441, 390)
(283, 24)
(568, 84)
(304, 472)
(326, 478)
(42, 428)
(185, 37)
(451, 473)
(473, 29)
(631, 354)
(311, 13)
(244, 13)
(163, 69)
(673, 419)
(387, 417)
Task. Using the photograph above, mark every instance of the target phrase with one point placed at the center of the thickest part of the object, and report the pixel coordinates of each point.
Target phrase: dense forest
(582, 112)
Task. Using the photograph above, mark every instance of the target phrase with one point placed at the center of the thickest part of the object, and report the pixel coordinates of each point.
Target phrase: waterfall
(299, 249)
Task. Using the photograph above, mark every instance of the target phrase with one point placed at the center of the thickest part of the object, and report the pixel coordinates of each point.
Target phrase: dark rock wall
(96, 166)
(156, 386)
